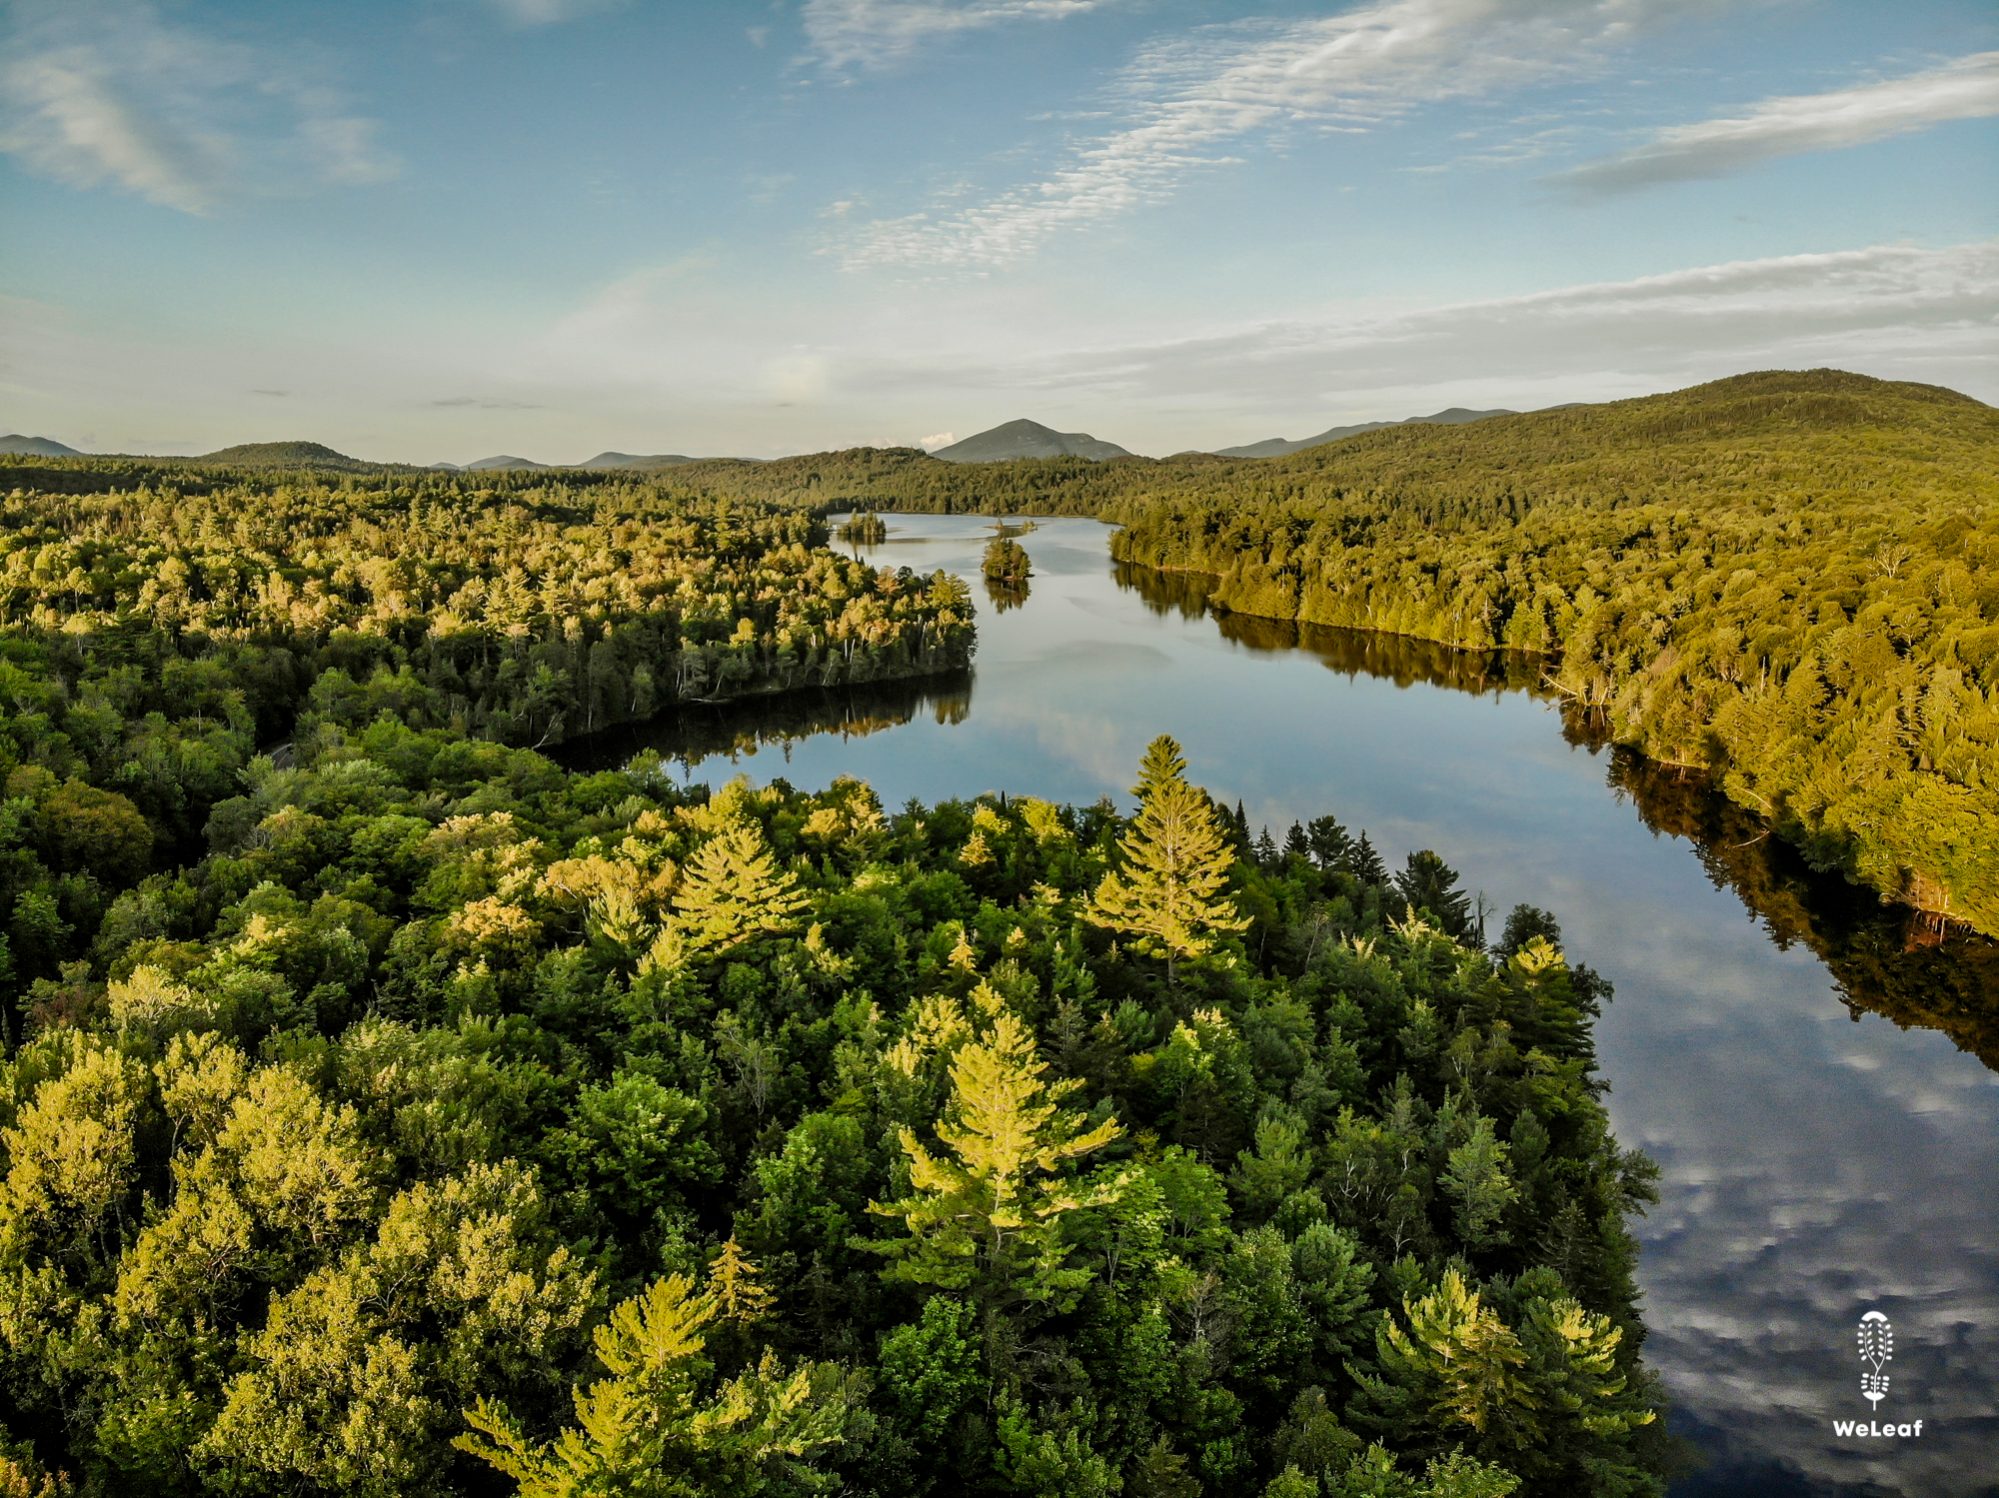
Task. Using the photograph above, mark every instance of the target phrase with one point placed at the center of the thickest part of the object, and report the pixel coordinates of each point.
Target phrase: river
(1805, 1068)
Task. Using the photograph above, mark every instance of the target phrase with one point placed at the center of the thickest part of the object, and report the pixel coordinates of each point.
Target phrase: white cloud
(936, 440)
(847, 34)
(1967, 88)
(1189, 100)
(109, 91)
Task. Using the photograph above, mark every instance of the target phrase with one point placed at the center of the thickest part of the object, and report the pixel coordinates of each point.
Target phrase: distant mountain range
(601, 461)
(504, 460)
(1027, 439)
(1277, 447)
(1000, 444)
(36, 447)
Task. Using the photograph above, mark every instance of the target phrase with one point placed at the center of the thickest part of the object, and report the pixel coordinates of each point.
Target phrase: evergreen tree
(650, 1429)
(732, 1278)
(987, 1213)
(1457, 1364)
(1430, 884)
(1168, 893)
(733, 890)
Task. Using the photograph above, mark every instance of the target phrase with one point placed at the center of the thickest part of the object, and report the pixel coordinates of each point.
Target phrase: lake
(1804, 1066)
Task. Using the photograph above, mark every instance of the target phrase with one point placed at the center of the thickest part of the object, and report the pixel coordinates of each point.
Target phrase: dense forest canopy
(388, 1109)
(458, 1116)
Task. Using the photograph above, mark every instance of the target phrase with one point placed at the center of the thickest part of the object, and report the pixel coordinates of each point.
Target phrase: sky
(436, 230)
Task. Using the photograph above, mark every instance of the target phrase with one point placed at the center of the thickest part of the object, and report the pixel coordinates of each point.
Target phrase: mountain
(1027, 439)
(635, 460)
(36, 447)
(1277, 447)
(502, 461)
(284, 455)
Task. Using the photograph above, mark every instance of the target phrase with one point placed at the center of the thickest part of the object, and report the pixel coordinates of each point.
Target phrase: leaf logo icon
(1877, 1351)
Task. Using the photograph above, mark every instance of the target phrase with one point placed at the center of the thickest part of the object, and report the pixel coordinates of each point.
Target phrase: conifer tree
(732, 1279)
(733, 890)
(648, 1430)
(1461, 1364)
(1169, 893)
(986, 1212)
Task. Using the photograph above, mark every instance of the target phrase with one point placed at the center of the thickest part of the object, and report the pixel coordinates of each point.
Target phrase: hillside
(284, 455)
(636, 460)
(1277, 447)
(1027, 439)
(1784, 580)
(36, 447)
(503, 461)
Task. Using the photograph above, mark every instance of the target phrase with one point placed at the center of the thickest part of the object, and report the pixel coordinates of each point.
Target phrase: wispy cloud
(1967, 88)
(872, 34)
(1900, 311)
(1191, 100)
(1172, 379)
(97, 92)
(482, 403)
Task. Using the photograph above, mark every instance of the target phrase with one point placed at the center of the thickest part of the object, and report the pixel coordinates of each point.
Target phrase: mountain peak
(36, 447)
(1022, 438)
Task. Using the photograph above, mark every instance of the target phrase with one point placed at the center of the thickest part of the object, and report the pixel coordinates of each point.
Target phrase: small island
(1006, 562)
(865, 529)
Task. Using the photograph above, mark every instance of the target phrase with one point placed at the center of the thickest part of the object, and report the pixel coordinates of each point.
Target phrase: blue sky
(439, 229)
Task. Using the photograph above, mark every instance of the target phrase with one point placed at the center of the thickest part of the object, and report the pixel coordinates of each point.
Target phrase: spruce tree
(1168, 894)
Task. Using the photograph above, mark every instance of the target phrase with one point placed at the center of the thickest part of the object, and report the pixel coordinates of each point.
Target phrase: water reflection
(1885, 960)
(1812, 1073)
(1005, 596)
(703, 735)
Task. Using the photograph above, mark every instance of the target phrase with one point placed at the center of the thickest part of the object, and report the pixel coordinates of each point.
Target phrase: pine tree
(648, 1431)
(1169, 894)
(733, 890)
(1461, 1364)
(732, 1280)
(1365, 864)
(986, 1212)
(1430, 884)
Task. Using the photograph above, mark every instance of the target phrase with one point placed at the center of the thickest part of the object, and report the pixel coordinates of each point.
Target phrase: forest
(387, 1108)
(456, 1118)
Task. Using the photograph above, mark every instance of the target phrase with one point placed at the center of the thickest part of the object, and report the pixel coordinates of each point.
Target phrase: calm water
(1806, 1075)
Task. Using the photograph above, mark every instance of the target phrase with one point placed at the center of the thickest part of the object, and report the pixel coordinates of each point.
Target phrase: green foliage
(653, 1428)
(360, 1121)
(987, 1213)
(1006, 562)
(1168, 893)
